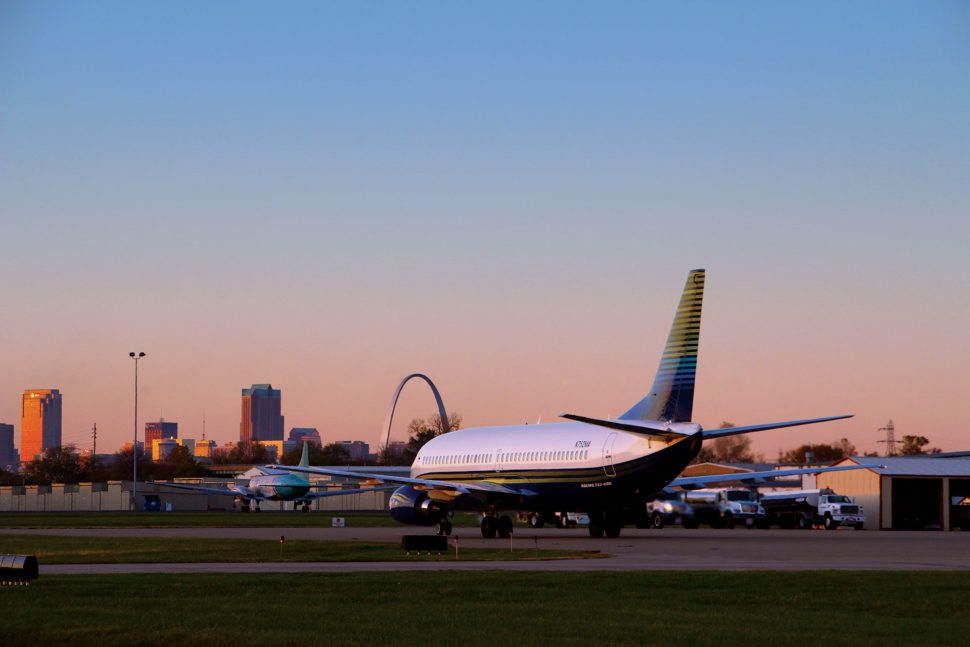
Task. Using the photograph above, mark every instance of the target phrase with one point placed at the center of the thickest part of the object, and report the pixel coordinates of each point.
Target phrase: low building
(357, 450)
(926, 492)
(162, 447)
(203, 449)
(310, 434)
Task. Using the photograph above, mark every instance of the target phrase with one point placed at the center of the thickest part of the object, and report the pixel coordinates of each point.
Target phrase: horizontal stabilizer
(646, 428)
(733, 431)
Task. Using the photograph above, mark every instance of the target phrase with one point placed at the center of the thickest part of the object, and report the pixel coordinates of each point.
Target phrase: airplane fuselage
(556, 464)
(279, 487)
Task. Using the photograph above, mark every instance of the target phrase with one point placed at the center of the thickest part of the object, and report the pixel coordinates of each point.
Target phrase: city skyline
(505, 198)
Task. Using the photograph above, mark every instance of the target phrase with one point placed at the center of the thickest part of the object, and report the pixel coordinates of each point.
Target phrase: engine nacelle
(411, 506)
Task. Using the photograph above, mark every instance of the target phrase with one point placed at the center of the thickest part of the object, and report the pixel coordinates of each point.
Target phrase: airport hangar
(923, 492)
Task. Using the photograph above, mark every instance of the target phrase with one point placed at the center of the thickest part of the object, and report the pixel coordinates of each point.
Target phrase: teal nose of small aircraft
(290, 487)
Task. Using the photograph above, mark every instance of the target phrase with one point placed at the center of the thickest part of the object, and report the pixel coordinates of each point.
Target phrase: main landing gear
(443, 527)
(608, 523)
(502, 526)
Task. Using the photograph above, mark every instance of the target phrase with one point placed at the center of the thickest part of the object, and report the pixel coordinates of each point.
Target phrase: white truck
(813, 509)
(727, 507)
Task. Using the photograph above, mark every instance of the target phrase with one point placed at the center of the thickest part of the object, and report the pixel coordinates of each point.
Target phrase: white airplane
(276, 484)
(605, 468)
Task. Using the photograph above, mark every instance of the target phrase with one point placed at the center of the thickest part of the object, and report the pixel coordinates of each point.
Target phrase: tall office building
(40, 422)
(159, 430)
(261, 414)
(9, 457)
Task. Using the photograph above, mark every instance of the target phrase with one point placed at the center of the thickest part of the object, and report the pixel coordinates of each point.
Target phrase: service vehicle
(727, 507)
(668, 508)
(821, 508)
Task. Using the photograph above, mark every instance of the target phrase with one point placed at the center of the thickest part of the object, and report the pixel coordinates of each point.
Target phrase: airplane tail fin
(304, 459)
(671, 397)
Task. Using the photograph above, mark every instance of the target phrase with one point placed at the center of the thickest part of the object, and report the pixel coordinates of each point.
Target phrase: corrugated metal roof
(915, 465)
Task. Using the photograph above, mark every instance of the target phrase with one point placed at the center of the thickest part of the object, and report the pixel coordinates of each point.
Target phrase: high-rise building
(40, 422)
(310, 434)
(161, 429)
(261, 414)
(9, 457)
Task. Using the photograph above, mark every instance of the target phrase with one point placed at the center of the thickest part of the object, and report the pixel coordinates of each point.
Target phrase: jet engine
(414, 507)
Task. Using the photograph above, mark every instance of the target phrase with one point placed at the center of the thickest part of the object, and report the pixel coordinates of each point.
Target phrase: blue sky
(329, 196)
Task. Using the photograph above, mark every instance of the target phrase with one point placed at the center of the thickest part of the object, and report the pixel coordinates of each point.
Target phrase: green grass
(492, 608)
(206, 520)
(51, 549)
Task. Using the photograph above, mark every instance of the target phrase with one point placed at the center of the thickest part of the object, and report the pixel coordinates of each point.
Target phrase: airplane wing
(246, 493)
(733, 431)
(317, 495)
(429, 484)
(239, 491)
(690, 482)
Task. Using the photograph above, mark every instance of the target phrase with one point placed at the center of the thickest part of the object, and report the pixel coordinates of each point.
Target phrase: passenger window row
(510, 457)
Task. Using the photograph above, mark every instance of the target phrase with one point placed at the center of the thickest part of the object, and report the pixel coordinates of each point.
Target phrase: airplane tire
(488, 527)
(612, 530)
(595, 529)
(657, 522)
(504, 527)
(536, 520)
(443, 528)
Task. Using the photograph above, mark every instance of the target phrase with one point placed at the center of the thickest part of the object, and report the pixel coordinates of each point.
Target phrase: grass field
(492, 608)
(50, 549)
(206, 520)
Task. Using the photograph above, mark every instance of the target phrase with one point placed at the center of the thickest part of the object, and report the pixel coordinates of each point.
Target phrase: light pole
(134, 445)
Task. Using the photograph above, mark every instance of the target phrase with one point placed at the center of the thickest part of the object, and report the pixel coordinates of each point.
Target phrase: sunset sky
(504, 196)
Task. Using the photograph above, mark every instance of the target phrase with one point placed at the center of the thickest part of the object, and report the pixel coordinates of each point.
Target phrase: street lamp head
(141, 354)
(131, 354)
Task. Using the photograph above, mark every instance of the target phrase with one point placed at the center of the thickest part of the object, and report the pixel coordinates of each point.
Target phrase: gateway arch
(389, 418)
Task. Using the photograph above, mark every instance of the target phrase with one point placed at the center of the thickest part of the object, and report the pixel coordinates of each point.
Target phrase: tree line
(65, 465)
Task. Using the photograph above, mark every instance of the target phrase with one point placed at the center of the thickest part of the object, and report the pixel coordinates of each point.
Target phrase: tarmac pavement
(667, 549)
